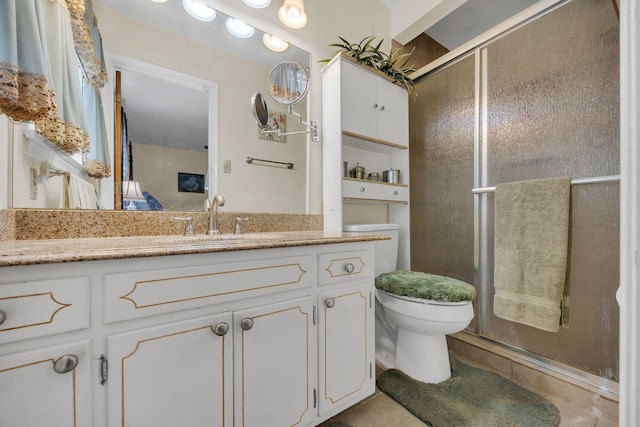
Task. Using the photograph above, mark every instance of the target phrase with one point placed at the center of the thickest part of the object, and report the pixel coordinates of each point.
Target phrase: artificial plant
(392, 64)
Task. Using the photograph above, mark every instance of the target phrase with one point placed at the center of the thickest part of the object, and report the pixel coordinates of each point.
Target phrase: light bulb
(239, 28)
(258, 4)
(199, 10)
(291, 14)
(273, 43)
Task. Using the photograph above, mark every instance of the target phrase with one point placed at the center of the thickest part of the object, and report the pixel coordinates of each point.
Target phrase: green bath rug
(471, 397)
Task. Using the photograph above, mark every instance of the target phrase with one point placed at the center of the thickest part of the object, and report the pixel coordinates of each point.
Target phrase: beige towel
(76, 193)
(531, 251)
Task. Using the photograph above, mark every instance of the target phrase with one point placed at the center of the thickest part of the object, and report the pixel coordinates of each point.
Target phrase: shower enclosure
(539, 100)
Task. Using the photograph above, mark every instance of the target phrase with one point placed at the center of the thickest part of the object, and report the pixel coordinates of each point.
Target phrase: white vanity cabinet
(275, 374)
(346, 322)
(47, 384)
(173, 374)
(252, 364)
(215, 369)
(235, 338)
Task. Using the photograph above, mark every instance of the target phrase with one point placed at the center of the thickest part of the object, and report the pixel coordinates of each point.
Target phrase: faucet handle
(238, 229)
(188, 229)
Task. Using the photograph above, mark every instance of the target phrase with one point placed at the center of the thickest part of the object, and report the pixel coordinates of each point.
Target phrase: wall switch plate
(226, 166)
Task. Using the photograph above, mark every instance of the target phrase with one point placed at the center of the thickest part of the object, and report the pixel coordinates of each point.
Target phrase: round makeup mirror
(288, 83)
(260, 110)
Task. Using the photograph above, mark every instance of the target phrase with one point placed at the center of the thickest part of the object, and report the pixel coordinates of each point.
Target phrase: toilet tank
(386, 250)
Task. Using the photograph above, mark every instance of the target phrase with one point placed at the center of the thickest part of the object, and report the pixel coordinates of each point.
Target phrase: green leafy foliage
(392, 64)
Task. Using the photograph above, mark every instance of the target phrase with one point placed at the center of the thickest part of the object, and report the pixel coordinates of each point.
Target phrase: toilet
(411, 330)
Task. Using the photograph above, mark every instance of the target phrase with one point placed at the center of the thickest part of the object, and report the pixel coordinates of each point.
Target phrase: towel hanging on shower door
(531, 251)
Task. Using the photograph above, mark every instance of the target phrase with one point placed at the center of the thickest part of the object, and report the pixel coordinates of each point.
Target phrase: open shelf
(369, 181)
(364, 142)
(375, 201)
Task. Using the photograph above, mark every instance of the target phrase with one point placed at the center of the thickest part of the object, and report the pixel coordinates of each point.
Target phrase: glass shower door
(540, 101)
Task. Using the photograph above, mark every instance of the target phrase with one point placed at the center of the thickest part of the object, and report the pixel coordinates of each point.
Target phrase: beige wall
(152, 159)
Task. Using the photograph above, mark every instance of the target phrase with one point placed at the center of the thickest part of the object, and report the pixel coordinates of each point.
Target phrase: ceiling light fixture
(159, 1)
(258, 4)
(199, 10)
(273, 43)
(291, 14)
(239, 28)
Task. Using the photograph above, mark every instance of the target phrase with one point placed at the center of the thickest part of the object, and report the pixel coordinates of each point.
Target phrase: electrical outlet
(227, 166)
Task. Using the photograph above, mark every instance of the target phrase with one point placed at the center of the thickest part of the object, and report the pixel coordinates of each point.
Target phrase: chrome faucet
(218, 200)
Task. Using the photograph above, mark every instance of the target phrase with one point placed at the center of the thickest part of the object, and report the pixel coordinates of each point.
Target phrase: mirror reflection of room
(164, 134)
(166, 36)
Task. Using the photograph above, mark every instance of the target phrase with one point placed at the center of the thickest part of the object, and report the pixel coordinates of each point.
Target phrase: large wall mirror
(186, 84)
(165, 138)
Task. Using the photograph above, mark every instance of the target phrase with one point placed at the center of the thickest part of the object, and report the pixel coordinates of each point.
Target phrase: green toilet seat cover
(416, 284)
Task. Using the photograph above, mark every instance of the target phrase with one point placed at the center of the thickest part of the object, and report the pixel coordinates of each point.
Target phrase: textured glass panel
(553, 95)
(441, 128)
(549, 106)
(552, 100)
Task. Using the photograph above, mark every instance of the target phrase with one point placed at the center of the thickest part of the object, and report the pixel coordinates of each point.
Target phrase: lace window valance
(43, 46)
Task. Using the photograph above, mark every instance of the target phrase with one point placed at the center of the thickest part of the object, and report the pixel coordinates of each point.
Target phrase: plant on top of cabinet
(392, 64)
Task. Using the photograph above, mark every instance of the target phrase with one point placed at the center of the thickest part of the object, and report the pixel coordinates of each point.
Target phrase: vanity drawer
(144, 293)
(342, 266)
(38, 308)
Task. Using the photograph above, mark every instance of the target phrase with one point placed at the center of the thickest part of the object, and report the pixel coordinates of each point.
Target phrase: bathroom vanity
(271, 330)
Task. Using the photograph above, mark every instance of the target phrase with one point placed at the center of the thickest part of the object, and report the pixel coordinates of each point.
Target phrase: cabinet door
(32, 393)
(393, 113)
(274, 364)
(359, 100)
(346, 347)
(177, 374)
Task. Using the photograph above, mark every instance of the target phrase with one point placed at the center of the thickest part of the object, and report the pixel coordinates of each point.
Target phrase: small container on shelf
(392, 176)
(358, 172)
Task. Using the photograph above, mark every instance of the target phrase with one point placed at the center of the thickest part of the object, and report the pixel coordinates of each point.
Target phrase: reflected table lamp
(132, 193)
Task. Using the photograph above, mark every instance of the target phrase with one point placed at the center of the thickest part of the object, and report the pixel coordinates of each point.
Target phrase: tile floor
(379, 410)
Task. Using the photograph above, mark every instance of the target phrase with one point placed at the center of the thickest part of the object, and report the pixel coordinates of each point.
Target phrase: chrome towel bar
(289, 165)
(576, 181)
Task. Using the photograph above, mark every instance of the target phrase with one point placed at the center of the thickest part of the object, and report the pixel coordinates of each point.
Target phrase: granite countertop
(26, 252)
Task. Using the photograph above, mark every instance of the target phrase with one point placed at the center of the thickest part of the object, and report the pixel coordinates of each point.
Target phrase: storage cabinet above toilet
(365, 119)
